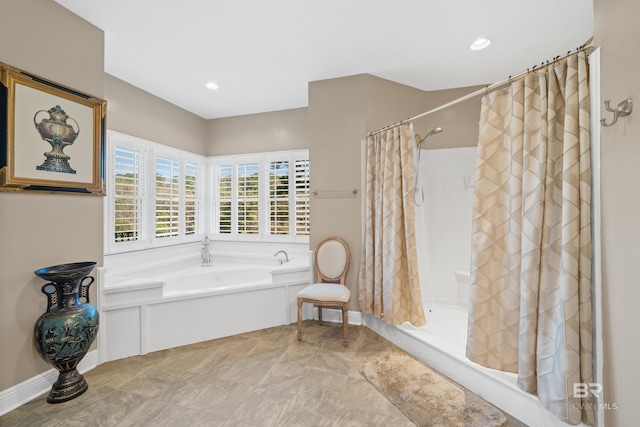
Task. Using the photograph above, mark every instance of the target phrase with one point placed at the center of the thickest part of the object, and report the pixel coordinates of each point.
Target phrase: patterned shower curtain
(389, 286)
(530, 302)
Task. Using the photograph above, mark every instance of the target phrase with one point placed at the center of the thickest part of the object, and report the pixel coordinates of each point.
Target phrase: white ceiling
(262, 54)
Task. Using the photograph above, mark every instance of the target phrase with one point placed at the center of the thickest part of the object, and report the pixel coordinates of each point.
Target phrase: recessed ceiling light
(480, 43)
(211, 86)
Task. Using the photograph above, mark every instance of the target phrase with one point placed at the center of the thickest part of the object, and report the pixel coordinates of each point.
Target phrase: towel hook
(624, 109)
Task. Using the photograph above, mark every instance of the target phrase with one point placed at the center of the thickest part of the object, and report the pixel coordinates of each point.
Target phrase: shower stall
(444, 208)
(444, 197)
(444, 225)
(444, 202)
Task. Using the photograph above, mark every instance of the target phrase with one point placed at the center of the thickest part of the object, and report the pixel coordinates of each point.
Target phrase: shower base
(441, 344)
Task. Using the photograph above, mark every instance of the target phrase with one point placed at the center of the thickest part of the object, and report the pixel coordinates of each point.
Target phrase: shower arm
(431, 132)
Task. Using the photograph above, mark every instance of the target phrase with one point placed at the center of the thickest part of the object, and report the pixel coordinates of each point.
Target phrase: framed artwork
(51, 137)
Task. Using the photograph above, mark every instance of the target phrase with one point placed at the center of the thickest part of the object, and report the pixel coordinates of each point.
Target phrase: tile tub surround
(259, 378)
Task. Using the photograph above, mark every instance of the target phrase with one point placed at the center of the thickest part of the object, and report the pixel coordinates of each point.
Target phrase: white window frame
(148, 153)
(263, 160)
(206, 195)
(174, 206)
(214, 173)
(183, 157)
(197, 199)
(293, 192)
(267, 195)
(135, 144)
(250, 159)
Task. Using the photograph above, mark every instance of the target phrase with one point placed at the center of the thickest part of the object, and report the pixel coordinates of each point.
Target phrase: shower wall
(444, 237)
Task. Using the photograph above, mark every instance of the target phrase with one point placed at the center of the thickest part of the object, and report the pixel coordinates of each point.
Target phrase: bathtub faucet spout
(205, 253)
(285, 255)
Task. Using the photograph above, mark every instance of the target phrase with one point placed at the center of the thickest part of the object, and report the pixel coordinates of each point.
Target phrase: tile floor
(262, 378)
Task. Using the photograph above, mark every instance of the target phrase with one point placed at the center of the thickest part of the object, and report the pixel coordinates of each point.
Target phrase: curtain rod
(485, 90)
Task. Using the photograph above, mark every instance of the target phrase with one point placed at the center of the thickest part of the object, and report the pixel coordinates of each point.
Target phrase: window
(279, 197)
(128, 195)
(159, 196)
(224, 199)
(191, 198)
(167, 217)
(151, 206)
(302, 197)
(261, 196)
(247, 197)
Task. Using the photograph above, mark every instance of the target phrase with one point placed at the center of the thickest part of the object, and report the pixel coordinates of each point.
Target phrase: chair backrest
(331, 260)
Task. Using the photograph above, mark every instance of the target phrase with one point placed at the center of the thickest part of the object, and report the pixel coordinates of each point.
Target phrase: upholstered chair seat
(326, 292)
(330, 261)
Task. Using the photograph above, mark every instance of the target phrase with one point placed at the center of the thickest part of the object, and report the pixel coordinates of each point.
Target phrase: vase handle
(35, 115)
(50, 291)
(77, 132)
(84, 288)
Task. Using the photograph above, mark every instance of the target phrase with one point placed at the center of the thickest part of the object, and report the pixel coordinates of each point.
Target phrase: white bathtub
(220, 277)
(180, 302)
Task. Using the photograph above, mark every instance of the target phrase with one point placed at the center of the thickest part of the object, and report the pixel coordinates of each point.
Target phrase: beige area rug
(426, 397)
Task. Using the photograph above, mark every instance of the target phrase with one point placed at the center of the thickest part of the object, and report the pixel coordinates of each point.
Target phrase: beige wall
(255, 133)
(38, 230)
(617, 33)
(341, 112)
(337, 123)
(138, 113)
(459, 123)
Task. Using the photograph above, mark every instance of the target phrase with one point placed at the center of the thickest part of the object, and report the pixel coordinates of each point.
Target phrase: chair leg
(345, 324)
(319, 315)
(299, 319)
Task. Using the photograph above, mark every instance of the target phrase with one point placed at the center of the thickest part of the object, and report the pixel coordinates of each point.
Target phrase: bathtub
(217, 278)
(179, 302)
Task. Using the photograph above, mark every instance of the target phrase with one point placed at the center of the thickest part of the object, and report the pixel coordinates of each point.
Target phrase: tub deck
(153, 309)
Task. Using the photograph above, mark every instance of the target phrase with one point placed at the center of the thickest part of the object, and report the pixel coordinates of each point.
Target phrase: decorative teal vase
(64, 333)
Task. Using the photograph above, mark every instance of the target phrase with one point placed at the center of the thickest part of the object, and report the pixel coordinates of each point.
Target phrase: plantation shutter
(223, 211)
(248, 198)
(302, 212)
(278, 202)
(192, 198)
(127, 195)
(167, 217)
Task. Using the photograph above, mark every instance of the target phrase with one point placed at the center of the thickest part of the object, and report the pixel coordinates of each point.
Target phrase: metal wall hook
(624, 109)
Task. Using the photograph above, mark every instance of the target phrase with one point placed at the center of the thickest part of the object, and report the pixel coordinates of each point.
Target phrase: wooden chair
(330, 260)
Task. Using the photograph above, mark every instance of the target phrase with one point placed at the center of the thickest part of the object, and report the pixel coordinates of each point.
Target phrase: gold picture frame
(39, 115)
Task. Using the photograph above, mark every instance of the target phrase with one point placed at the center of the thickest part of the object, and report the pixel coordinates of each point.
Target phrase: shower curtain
(389, 286)
(530, 302)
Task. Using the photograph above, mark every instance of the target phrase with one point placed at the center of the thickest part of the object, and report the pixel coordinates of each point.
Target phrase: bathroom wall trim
(28, 390)
(334, 315)
(596, 227)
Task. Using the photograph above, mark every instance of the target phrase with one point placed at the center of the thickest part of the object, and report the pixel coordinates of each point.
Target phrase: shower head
(432, 132)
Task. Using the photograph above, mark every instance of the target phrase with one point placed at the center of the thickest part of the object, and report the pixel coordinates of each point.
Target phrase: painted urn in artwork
(64, 333)
(57, 132)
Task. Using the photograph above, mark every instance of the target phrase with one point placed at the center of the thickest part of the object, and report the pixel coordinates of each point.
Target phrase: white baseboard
(335, 316)
(28, 390)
